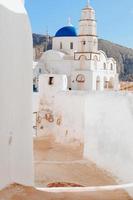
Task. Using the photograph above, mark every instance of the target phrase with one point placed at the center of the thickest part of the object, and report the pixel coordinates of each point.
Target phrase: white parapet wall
(69, 117)
(109, 133)
(15, 94)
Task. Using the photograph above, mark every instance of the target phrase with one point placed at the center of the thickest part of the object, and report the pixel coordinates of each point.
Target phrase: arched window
(104, 66)
(61, 46)
(51, 81)
(106, 83)
(80, 78)
(95, 60)
(82, 57)
(84, 42)
(95, 42)
(111, 66)
(40, 70)
(98, 83)
(111, 83)
(71, 45)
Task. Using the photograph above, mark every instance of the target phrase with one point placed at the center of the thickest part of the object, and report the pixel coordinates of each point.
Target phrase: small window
(71, 45)
(40, 70)
(84, 42)
(51, 81)
(104, 65)
(61, 46)
(95, 58)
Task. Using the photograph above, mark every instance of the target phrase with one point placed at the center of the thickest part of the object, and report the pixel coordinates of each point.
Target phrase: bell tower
(87, 38)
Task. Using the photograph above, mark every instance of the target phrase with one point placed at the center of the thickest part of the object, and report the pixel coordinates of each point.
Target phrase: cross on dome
(88, 3)
(69, 21)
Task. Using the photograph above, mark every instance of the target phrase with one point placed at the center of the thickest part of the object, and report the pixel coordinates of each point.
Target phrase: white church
(77, 56)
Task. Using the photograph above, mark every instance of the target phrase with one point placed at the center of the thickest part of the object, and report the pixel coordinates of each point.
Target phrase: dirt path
(55, 162)
(64, 163)
(46, 149)
(84, 174)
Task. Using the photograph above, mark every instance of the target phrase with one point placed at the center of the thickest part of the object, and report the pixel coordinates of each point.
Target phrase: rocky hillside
(39, 40)
(123, 55)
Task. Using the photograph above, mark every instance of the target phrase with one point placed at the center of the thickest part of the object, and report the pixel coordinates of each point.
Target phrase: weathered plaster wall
(69, 110)
(16, 94)
(62, 115)
(109, 133)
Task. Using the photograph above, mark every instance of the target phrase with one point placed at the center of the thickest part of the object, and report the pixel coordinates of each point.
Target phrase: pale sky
(115, 17)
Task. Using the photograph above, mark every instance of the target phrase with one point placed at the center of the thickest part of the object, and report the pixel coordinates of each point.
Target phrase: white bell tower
(87, 39)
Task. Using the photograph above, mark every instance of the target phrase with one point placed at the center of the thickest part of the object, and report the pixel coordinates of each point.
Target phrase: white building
(78, 57)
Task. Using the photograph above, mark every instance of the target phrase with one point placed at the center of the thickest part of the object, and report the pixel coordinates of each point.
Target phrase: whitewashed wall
(59, 83)
(65, 44)
(109, 133)
(15, 94)
(69, 109)
(61, 113)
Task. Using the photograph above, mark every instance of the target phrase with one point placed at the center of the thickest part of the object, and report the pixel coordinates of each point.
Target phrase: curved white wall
(15, 94)
(109, 133)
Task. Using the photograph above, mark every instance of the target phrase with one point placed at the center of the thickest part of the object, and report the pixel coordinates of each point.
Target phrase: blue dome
(66, 31)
